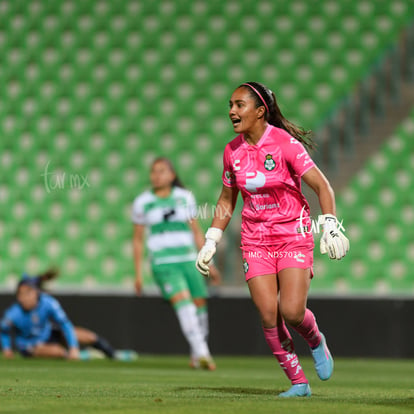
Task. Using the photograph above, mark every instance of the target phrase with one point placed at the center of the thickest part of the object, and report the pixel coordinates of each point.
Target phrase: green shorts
(174, 278)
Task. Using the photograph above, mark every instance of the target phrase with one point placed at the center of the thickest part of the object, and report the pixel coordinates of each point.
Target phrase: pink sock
(281, 344)
(309, 329)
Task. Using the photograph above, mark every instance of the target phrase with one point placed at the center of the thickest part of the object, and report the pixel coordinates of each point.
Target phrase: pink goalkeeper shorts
(267, 260)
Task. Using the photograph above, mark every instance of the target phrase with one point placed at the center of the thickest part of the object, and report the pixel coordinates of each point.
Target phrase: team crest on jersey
(245, 266)
(269, 163)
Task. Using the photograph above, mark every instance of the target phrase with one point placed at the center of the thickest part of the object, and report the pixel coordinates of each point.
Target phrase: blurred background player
(31, 319)
(42, 328)
(168, 213)
(266, 163)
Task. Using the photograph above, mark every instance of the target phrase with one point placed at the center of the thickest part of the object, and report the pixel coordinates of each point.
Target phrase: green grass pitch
(165, 384)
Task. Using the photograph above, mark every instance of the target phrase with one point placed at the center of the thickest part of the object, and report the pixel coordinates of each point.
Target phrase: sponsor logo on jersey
(255, 180)
(303, 229)
(299, 257)
(302, 154)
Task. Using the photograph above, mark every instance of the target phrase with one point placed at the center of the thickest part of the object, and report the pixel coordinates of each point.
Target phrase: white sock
(187, 316)
(202, 316)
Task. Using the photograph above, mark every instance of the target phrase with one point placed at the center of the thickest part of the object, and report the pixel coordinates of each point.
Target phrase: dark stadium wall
(354, 327)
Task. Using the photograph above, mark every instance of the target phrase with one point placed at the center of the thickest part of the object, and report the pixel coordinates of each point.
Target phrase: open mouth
(235, 122)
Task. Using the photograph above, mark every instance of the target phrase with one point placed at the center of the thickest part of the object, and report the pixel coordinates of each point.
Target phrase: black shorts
(55, 337)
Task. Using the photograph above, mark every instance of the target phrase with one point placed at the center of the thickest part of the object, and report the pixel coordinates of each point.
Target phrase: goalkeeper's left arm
(333, 241)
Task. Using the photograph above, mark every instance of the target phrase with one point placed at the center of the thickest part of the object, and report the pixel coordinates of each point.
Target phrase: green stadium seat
(378, 206)
(98, 89)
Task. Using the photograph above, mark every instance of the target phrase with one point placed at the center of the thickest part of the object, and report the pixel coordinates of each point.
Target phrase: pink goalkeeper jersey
(268, 176)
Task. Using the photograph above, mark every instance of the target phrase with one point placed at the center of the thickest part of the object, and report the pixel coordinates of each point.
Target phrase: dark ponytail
(263, 95)
(176, 182)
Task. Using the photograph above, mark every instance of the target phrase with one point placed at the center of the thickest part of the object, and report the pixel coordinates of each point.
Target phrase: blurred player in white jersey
(168, 214)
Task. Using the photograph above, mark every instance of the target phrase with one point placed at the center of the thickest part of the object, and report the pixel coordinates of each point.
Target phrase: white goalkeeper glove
(333, 241)
(213, 236)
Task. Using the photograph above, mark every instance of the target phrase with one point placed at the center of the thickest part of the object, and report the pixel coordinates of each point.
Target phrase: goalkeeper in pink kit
(266, 163)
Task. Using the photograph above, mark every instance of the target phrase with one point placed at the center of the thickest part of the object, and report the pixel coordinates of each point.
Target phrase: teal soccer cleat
(297, 390)
(125, 355)
(323, 360)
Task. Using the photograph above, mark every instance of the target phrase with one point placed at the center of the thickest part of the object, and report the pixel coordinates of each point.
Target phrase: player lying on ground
(42, 328)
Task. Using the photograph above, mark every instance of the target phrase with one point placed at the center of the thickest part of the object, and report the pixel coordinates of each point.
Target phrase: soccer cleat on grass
(88, 354)
(125, 355)
(297, 390)
(194, 364)
(207, 363)
(323, 360)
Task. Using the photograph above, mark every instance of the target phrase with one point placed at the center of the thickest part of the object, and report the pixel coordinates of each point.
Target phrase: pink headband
(258, 94)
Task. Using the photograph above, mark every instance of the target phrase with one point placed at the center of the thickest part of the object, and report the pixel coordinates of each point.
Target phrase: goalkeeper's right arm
(222, 215)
